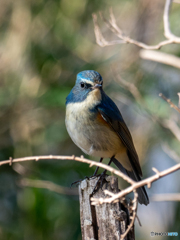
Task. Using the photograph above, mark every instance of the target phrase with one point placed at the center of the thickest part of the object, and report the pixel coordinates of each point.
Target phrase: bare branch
(113, 197)
(166, 197)
(136, 185)
(78, 159)
(124, 39)
(101, 41)
(167, 32)
(112, 25)
(130, 86)
(172, 105)
(47, 185)
(160, 57)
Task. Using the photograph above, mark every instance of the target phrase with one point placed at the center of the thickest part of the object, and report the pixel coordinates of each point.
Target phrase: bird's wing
(112, 116)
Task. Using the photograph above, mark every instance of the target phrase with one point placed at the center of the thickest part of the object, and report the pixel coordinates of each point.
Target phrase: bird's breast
(90, 132)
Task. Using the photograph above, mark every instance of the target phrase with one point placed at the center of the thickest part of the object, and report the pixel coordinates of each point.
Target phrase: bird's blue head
(86, 82)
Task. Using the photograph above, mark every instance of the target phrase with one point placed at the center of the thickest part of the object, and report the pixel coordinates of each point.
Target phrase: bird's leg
(95, 173)
(108, 165)
(101, 178)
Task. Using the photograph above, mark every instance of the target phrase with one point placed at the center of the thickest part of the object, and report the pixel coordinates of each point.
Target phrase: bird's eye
(82, 85)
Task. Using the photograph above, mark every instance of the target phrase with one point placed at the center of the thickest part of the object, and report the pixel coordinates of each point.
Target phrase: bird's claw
(76, 182)
(100, 182)
(80, 180)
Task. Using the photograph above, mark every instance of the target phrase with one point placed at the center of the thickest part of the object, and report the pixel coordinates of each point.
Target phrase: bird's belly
(93, 138)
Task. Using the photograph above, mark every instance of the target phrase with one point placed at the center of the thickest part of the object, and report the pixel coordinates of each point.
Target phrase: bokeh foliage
(43, 45)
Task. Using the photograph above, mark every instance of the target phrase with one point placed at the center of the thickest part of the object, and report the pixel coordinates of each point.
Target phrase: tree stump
(106, 221)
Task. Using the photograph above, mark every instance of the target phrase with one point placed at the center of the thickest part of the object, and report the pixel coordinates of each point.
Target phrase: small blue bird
(96, 126)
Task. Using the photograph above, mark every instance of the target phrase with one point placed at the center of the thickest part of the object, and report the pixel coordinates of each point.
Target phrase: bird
(97, 127)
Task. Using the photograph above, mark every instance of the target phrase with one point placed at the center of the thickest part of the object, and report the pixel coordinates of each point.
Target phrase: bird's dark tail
(142, 195)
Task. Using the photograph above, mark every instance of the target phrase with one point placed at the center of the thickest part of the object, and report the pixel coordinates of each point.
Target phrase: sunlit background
(43, 45)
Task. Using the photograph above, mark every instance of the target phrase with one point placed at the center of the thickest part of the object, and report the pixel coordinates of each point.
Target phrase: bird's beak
(97, 86)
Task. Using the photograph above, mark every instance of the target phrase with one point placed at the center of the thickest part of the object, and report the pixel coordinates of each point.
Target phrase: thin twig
(100, 40)
(130, 87)
(47, 185)
(172, 105)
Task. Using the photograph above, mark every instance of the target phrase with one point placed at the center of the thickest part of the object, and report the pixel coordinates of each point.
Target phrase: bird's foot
(76, 182)
(101, 180)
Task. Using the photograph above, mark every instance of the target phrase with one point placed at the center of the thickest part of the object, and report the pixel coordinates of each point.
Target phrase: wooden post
(106, 221)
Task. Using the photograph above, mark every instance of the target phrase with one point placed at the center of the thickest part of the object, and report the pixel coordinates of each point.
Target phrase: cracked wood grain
(104, 221)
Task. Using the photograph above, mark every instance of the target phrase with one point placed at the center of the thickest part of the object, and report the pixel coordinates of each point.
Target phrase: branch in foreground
(78, 159)
(113, 197)
(147, 181)
(112, 25)
(134, 185)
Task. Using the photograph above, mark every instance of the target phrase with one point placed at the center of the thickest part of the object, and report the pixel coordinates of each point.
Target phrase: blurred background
(43, 45)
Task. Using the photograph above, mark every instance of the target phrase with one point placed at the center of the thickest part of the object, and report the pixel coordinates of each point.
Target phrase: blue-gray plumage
(96, 126)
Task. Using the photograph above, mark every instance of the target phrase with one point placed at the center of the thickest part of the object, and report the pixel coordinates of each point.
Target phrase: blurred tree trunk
(105, 221)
